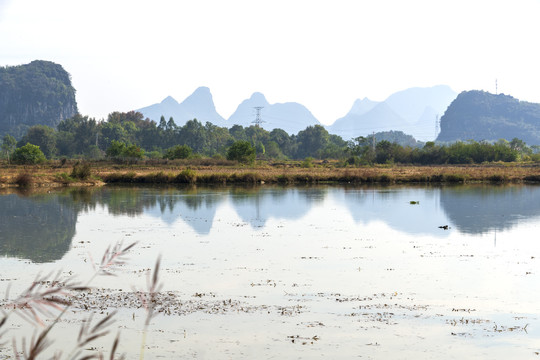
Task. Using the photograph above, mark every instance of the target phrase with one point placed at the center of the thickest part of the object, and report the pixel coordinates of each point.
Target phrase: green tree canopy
(178, 152)
(241, 151)
(42, 136)
(28, 154)
(8, 145)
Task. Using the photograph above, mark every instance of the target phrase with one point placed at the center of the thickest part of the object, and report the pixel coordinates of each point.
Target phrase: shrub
(24, 180)
(307, 163)
(241, 151)
(81, 171)
(496, 178)
(353, 161)
(118, 149)
(178, 152)
(532, 178)
(28, 154)
(454, 178)
(64, 177)
(186, 176)
(133, 151)
(385, 179)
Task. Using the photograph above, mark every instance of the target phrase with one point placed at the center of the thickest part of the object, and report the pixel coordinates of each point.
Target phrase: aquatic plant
(45, 297)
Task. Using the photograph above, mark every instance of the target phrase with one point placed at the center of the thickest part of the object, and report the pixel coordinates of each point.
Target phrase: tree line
(130, 136)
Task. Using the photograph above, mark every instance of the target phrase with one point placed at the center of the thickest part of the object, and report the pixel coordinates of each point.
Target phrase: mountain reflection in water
(40, 227)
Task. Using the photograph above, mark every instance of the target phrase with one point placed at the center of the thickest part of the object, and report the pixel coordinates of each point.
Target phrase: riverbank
(101, 174)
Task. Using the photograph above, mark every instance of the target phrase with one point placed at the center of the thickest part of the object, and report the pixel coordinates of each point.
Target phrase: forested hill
(39, 93)
(479, 115)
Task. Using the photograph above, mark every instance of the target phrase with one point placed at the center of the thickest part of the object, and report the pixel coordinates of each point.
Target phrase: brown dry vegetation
(55, 174)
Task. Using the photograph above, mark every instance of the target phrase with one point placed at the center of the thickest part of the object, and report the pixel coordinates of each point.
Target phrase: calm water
(296, 272)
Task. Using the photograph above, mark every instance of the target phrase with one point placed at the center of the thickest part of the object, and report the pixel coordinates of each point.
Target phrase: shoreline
(171, 174)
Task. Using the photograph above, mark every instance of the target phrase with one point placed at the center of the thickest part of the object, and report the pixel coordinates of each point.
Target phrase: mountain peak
(362, 106)
(199, 99)
(169, 100)
(202, 90)
(258, 97)
(199, 105)
(291, 117)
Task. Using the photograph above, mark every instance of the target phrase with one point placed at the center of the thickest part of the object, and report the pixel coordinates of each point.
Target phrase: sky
(128, 54)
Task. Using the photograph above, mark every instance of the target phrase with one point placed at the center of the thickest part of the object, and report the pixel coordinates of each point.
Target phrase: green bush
(186, 176)
(118, 149)
(178, 152)
(28, 154)
(241, 151)
(307, 163)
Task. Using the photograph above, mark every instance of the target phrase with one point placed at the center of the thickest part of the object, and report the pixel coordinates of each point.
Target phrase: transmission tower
(258, 120)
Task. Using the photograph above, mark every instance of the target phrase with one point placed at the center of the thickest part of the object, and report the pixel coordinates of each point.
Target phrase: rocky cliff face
(39, 93)
(479, 115)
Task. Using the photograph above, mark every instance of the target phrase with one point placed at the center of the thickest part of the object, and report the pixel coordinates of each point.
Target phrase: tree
(178, 152)
(8, 145)
(241, 151)
(42, 136)
(312, 141)
(76, 135)
(193, 134)
(112, 131)
(133, 151)
(238, 132)
(28, 154)
(116, 149)
(162, 123)
(119, 149)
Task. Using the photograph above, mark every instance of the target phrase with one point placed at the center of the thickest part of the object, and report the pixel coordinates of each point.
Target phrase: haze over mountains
(290, 116)
(199, 105)
(413, 111)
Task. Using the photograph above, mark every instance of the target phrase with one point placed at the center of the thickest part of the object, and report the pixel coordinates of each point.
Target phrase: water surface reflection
(40, 227)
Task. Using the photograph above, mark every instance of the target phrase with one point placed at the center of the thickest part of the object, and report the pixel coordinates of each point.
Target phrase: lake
(288, 272)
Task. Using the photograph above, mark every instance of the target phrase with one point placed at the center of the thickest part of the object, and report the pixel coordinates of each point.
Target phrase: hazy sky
(127, 54)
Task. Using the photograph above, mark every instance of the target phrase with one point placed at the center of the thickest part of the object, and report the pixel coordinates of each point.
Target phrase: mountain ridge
(199, 105)
(479, 115)
(38, 93)
(405, 110)
(412, 111)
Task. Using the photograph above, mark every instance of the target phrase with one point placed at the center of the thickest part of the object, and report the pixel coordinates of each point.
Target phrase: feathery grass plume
(87, 334)
(114, 347)
(148, 300)
(37, 345)
(112, 257)
(43, 297)
(2, 323)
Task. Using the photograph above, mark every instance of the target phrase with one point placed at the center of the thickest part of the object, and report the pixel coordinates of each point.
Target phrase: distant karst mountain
(479, 115)
(413, 111)
(199, 105)
(290, 116)
(39, 93)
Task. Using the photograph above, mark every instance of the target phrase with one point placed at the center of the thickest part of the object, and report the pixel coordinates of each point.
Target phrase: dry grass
(283, 173)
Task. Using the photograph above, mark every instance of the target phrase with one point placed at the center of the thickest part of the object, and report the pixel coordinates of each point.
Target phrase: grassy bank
(97, 174)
